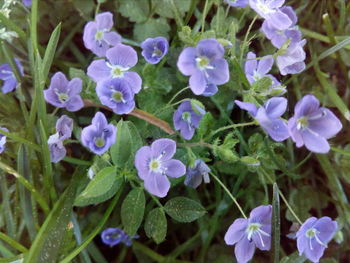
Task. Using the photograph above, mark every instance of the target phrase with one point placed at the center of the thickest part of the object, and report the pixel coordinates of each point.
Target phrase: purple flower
(100, 135)
(63, 93)
(206, 66)
(186, 119)
(195, 175)
(56, 147)
(312, 125)
(292, 61)
(154, 164)
(64, 127)
(113, 236)
(154, 49)
(269, 116)
(27, 3)
(120, 59)
(314, 235)
(8, 77)
(97, 36)
(237, 3)
(117, 95)
(279, 37)
(250, 233)
(269, 10)
(3, 140)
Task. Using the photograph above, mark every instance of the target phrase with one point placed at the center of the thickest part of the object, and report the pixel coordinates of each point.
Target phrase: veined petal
(244, 250)
(98, 70)
(250, 65)
(122, 55)
(328, 125)
(163, 149)
(134, 81)
(198, 83)
(236, 231)
(157, 184)
(276, 107)
(142, 159)
(104, 20)
(187, 61)
(174, 168)
(314, 142)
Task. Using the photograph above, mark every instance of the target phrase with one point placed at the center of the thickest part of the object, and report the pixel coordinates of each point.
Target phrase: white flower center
(264, 8)
(203, 63)
(311, 234)
(255, 228)
(302, 123)
(116, 70)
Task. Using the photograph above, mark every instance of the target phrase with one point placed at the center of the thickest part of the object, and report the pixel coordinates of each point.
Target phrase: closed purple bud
(237, 3)
(98, 36)
(195, 175)
(56, 147)
(271, 12)
(63, 93)
(292, 61)
(8, 77)
(269, 116)
(154, 164)
(120, 59)
(100, 135)
(186, 119)
(314, 235)
(154, 49)
(64, 127)
(117, 95)
(205, 65)
(3, 140)
(251, 233)
(312, 125)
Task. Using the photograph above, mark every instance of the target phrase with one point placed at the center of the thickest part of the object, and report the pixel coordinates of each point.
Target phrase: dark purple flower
(270, 11)
(113, 236)
(247, 234)
(186, 119)
(292, 61)
(3, 140)
(312, 125)
(56, 147)
(100, 135)
(154, 49)
(63, 93)
(154, 164)
(121, 58)
(27, 3)
(314, 235)
(8, 77)
(195, 175)
(237, 3)
(64, 127)
(269, 116)
(117, 95)
(97, 36)
(206, 66)
(279, 37)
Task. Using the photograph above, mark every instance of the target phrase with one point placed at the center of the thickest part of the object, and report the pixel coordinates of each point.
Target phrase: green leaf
(206, 124)
(101, 188)
(136, 10)
(152, 28)
(250, 161)
(46, 246)
(164, 7)
(127, 143)
(132, 211)
(156, 225)
(276, 224)
(262, 85)
(293, 258)
(183, 209)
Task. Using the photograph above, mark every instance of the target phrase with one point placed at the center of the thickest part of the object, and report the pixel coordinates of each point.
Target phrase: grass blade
(276, 224)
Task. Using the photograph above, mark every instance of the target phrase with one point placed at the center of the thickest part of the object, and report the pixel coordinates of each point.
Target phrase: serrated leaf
(136, 10)
(165, 8)
(102, 187)
(183, 209)
(127, 143)
(206, 124)
(152, 28)
(156, 225)
(250, 161)
(132, 211)
(262, 85)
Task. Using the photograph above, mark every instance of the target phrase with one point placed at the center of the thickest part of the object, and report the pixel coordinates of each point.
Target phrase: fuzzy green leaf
(156, 225)
(183, 209)
(136, 10)
(152, 28)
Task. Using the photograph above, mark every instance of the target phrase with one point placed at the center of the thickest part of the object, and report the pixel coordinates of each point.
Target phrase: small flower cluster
(115, 236)
(64, 127)
(247, 234)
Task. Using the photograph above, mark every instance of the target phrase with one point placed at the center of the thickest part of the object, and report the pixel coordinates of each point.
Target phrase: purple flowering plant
(136, 131)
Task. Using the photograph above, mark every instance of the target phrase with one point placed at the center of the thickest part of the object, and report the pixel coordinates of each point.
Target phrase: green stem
(178, 18)
(155, 199)
(341, 151)
(21, 140)
(229, 194)
(244, 45)
(13, 243)
(233, 126)
(204, 15)
(177, 94)
(76, 161)
(41, 201)
(195, 144)
(96, 231)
